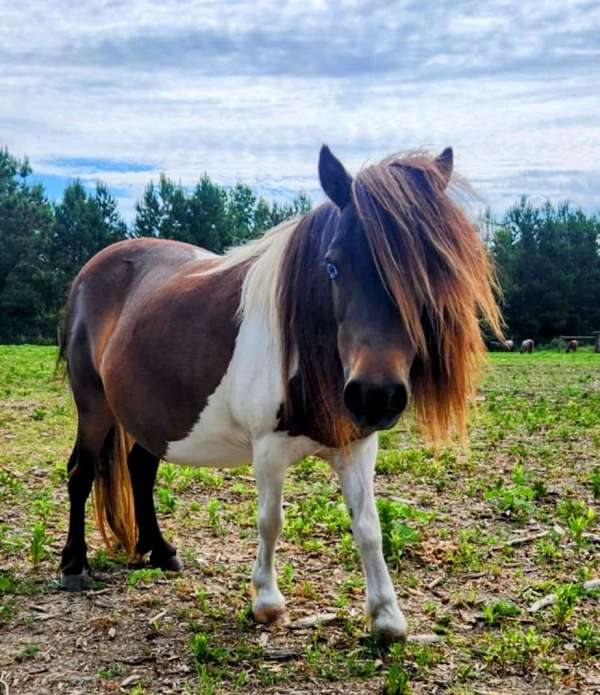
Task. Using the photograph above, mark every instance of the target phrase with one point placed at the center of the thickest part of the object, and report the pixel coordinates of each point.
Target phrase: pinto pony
(304, 342)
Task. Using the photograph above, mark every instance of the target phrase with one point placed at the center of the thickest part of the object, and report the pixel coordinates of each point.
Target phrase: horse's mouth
(369, 424)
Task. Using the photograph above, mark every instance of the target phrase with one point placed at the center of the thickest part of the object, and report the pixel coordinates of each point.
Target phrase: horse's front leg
(268, 604)
(356, 471)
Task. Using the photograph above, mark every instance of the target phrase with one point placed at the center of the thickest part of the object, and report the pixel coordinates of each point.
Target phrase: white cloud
(249, 91)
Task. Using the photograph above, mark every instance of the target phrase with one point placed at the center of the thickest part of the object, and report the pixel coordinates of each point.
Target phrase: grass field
(473, 539)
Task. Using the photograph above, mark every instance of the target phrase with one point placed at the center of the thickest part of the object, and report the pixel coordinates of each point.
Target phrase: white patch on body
(243, 409)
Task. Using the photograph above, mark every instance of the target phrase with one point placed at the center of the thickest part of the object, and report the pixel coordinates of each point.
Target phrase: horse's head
(375, 347)
(405, 270)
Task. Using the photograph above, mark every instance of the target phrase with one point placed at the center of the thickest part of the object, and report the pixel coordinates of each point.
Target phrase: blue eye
(332, 269)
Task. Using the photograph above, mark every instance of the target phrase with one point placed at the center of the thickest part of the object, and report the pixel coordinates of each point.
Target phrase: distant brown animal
(572, 346)
(527, 346)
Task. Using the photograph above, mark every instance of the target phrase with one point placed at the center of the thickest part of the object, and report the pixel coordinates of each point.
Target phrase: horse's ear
(335, 180)
(444, 163)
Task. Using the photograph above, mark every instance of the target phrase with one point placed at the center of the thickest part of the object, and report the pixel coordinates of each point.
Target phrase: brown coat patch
(161, 334)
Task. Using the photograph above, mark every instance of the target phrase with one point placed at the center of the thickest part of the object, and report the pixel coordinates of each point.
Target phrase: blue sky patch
(55, 185)
(88, 165)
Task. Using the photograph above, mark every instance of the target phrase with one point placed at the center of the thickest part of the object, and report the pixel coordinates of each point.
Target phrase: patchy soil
(473, 539)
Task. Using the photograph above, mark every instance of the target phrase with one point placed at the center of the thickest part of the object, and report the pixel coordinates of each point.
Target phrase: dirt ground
(473, 539)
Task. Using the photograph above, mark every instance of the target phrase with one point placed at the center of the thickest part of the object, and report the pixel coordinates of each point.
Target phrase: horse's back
(121, 274)
(118, 270)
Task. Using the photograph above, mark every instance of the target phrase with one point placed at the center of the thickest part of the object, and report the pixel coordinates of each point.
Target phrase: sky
(121, 91)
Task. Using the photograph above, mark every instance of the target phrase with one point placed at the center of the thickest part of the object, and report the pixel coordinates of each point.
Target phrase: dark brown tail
(61, 367)
(113, 494)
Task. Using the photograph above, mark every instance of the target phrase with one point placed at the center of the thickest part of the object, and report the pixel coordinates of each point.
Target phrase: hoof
(137, 562)
(270, 614)
(269, 606)
(385, 638)
(169, 564)
(76, 582)
(389, 628)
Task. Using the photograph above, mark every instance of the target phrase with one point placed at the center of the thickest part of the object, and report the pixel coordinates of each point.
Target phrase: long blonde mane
(264, 258)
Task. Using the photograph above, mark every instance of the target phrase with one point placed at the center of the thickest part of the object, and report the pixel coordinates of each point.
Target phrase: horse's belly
(215, 440)
(211, 452)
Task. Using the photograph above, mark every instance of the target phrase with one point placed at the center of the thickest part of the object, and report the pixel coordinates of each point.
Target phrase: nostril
(375, 403)
(399, 398)
(353, 397)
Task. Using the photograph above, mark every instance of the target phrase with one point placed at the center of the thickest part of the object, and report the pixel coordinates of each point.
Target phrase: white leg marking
(356, 471)
(268, 602)
(273, 455)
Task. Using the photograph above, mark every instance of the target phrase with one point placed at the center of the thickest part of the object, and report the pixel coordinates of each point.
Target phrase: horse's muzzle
(375, 406)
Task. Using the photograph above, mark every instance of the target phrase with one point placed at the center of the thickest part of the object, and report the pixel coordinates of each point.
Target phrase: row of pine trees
(547, 257)
(43, 244)
(548, 263)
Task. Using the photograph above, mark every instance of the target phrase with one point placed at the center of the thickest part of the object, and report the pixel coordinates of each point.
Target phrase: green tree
(548, 263)
(43, 246)
(269, 215)
(211, 216)
(162, 212)
(208, 222)
(25, 215)
(241, 205)
(84, 223)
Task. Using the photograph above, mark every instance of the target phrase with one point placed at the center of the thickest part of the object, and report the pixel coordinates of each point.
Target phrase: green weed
(494, 613)
(397, 681)
(144, 576)
(37, 543)
(587, 638)
(29, 651)
(516, 646)
(595, 482)
(567, 597)
(397, 534)
(167, 502)
(215, 517)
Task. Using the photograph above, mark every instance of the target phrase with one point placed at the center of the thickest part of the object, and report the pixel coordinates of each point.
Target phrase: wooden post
(598, 341)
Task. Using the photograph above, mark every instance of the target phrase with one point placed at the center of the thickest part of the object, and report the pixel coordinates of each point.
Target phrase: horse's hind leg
(92, 434)
(142, 469)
